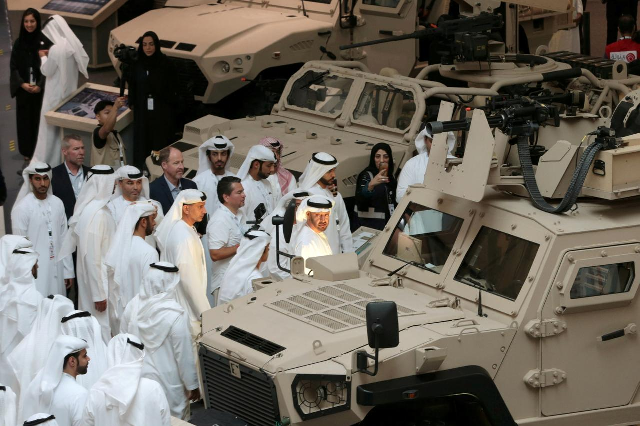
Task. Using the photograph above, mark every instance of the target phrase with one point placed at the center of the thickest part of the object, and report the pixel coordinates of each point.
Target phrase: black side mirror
(287, 222)
(289, 216)
(382, 332)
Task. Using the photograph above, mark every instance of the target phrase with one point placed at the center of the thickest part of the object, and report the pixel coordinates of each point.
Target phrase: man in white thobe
(224, 230)
(8, 243)
(259, 164)
(91, 229)
(129, 257)
(131, 186)
(180, 245)
(245, 266)
(313, 215)
(82, 325)
(163, 327)
(54, 389)
(60, 65)
(122, 397)
(8, 407)
(29, 357)
(414, 170)
(39, 215)
(41, 419)
(19, 301)
(319, 178)
(213, 164)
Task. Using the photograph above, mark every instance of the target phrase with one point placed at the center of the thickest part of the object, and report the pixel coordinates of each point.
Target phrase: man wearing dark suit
(166, 188)
(67, 178)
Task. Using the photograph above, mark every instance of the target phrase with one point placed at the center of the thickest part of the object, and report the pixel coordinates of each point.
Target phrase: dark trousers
(616, 8)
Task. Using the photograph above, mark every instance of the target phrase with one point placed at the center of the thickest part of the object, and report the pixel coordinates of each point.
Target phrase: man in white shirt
(225, 230)
(129, 257)
(39, 215)
(55, 390)
(259, 164)
(313, 216)
(180, 245)
(319, 178)
(132, 186)
(163, 327)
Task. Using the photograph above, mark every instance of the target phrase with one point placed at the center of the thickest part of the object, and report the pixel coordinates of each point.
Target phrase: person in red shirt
(625, 49)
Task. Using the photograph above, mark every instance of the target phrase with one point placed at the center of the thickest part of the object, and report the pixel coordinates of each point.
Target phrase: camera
(125, 54)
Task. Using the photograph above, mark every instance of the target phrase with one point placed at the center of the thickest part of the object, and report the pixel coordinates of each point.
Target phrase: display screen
(82, 104)
(83, 7)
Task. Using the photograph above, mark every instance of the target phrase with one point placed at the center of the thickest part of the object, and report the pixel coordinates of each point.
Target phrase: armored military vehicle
(250, 48)
(476, 305)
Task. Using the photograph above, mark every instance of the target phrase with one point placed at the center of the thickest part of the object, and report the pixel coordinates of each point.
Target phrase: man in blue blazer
(67, 178)
(166, 188)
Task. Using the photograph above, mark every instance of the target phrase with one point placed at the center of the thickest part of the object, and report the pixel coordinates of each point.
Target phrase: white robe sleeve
(49, 64)
(346, 238)
(99, 239)
(20, 219)
(88, 416)
(161, 415)
(191, 276)
(67, 262)
(180, 339)
(77, 410)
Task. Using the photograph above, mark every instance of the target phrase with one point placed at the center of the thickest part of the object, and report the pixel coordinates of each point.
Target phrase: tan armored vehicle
(474, 307)
(221, 47)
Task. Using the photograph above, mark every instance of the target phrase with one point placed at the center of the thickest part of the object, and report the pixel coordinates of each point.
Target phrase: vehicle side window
(497, 262)
(320, 91)
(603, 279)
(385, 105)
(382, 3)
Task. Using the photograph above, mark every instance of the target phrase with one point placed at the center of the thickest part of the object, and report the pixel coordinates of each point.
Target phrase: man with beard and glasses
(319, 178)
(129, 257)
(39, 215)
(55, 390)
(313, 216)
(254, 172)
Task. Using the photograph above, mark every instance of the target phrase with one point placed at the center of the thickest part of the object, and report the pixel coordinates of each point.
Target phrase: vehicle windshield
(385, 105)
(497, 262)
(320, 91)
(423, 237)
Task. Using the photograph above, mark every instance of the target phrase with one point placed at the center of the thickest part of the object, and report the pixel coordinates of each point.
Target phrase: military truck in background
(477, 304)
(249, 49)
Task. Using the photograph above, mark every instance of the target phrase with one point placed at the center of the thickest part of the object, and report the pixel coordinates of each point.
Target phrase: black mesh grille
(251, 397)
(187, 47)
(190, 76)
(254, 342)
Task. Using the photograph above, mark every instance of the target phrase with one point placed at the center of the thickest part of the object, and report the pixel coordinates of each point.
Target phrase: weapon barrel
(436, 127)
(416, 34)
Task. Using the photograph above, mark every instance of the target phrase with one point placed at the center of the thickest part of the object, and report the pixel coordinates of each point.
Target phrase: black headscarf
(157, 55)
(372, 160)
(33, 38)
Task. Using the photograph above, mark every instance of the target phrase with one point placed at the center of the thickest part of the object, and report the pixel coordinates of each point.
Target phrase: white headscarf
(216, 143)
(320, 163)
(243, 264)
(82, 325)
(119, 253)
(18, 280)
(57, 30)
(41, 419)
(120, 382)
(421, 146)
(31, 353)
(156, 308)
(8, 244)
(39, 394)
(7, 406)
(174, 215)
(35, 168)
(257, 152)
(313, 204)
(133, 173)
(94, 195)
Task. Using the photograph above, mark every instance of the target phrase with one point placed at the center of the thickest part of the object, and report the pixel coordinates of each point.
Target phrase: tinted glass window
(424, 237)
(603, 279)
(320, 91)
(497, 262)
(386, 106)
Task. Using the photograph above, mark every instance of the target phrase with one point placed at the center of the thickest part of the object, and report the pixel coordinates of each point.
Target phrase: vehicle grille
(251, 397)
(251, 340)
(189, 74)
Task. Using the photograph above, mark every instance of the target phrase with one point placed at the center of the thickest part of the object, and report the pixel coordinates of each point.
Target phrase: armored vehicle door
(587, 330)
(384, 18)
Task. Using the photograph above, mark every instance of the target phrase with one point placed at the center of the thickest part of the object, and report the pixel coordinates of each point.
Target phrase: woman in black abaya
(153, 98)
(26, 81)
(376, 189)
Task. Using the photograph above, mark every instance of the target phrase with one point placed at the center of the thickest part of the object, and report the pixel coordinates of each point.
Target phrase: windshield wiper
(476, 284)
(406, 262)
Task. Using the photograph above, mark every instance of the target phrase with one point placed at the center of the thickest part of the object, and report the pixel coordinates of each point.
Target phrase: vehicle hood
(211, 27)
(281, 315)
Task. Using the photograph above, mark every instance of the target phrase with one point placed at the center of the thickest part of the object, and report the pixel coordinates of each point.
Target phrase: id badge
(391, 209)
(150, 104)
(51, 249)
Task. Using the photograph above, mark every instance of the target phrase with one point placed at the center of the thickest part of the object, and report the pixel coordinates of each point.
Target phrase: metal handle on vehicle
(460, 323)
(630, 329)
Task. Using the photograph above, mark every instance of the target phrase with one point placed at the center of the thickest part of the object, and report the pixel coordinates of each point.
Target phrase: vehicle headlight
(238, 61)
(316, 395)
(225, 67)
(221, 67)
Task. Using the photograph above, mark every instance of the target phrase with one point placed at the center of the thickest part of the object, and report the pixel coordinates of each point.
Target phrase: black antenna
(480, 314)
(304, 11)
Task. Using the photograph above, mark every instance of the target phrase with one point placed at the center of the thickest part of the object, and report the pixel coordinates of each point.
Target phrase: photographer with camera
(152, 97)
